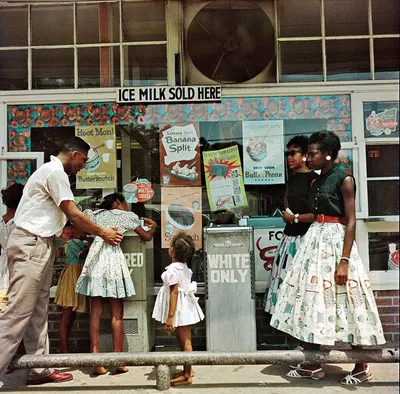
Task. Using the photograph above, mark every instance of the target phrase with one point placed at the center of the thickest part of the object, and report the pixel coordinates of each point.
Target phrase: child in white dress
(105, 274)
(176, 304)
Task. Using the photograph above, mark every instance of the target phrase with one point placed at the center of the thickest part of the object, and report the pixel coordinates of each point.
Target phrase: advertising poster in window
(181, 211)
(100, 171)
(263, 152)
(381, 119)
(180, 155)
(224, 179)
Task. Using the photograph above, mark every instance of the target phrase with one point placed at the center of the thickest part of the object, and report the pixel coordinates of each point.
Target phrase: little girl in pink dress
(176, 304)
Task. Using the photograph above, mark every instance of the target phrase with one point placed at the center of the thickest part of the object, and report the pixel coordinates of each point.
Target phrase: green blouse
(326, 195)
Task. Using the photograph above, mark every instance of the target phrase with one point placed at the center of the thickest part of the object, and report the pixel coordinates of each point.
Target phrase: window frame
(384, 279)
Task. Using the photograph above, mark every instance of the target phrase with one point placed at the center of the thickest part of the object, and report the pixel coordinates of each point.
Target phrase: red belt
(329, 219)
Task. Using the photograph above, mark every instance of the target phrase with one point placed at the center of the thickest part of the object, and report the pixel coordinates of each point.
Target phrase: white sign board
(162, 94)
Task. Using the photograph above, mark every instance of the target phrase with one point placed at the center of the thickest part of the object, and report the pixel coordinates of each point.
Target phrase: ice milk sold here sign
(160, 94)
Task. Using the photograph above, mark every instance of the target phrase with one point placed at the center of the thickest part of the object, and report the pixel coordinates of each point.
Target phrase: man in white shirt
(46, 204)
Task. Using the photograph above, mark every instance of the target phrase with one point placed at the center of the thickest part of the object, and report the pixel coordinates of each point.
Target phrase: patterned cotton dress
(310, 306)
(298, 191)
(188, 310)
(105, 273)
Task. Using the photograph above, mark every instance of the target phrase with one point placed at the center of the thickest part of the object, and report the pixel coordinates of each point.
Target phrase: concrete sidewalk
(244, 379)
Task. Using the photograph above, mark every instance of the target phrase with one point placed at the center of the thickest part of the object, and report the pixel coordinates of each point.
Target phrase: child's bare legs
(117, 327)
(96, 313)
(184, 335)
(67, 321)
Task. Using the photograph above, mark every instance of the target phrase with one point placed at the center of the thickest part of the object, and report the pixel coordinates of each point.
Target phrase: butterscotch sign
(100, 171)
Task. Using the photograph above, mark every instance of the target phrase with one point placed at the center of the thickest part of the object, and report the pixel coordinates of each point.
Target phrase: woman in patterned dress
(326, 295)
(105, 274)
(297, 216)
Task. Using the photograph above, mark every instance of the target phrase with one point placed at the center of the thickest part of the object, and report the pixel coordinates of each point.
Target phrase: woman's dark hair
(300, 141)
(183, 247)
(109, 200)
(327, 141)
(12, 195)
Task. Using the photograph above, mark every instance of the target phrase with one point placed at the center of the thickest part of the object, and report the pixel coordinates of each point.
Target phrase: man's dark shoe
(55, 377)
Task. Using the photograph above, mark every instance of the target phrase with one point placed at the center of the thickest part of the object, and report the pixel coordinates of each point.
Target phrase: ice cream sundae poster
(100, 171)
(181, 211)
(381, 119)
(180, 155)
(263, 152)
(224, 179)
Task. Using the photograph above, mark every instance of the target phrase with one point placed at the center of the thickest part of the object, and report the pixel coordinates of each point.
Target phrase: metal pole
(207, 358)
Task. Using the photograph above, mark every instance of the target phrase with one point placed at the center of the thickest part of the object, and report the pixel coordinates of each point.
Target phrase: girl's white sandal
(294, 374)
(351, 380)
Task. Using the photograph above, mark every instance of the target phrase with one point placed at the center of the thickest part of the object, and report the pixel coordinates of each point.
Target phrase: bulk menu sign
(159, 94)
(100, 171)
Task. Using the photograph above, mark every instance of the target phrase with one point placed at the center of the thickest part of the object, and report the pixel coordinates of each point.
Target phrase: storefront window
(10, 18)
(384, 251)
(307, 22)
(386, 54)
(347, 60)
(301, 61)
(13, 64)
(52, 68)
(143, 22)
(385, 16)
(347, 18)
(90, 71)
(52, 25)
(145, 65)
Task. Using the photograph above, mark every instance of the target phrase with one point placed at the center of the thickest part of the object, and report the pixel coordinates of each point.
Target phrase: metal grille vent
(131, 327)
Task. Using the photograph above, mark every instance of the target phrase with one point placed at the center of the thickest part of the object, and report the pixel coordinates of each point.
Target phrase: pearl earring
(328, 158)
(304, 159)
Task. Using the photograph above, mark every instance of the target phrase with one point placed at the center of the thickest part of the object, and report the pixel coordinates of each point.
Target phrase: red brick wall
(267, 337)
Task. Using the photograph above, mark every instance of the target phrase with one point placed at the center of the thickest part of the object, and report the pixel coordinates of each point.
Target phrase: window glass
(384, 252)
(52, 68)
(301, 61)
(386, 55)
(347, 60)
(142, 21)
(145, 65)
(297, 19)
(97, 23)
(52, 24)
(13, 26)
(13, 70)
(346, 17)
(382, 160)
(383, 20)
(383, 198)
(89, 67)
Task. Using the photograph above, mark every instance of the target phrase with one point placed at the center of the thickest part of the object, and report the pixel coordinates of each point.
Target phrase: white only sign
(155, 94)
(180, 143)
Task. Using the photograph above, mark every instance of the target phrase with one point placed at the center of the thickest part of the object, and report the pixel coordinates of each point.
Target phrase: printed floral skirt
(312, 308)
(283, 259)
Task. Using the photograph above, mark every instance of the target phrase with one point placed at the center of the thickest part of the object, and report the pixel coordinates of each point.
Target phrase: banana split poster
(180, 155)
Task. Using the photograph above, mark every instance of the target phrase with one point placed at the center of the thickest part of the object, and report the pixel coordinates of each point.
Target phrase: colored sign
(381, 119)
(162, 94)
(263, 152)
(100, 171)
(224, 179)
(138, 191)
(180, 155)
(181, 211)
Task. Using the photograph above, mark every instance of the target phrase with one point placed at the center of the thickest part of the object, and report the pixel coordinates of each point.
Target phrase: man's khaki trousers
(30, 262)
